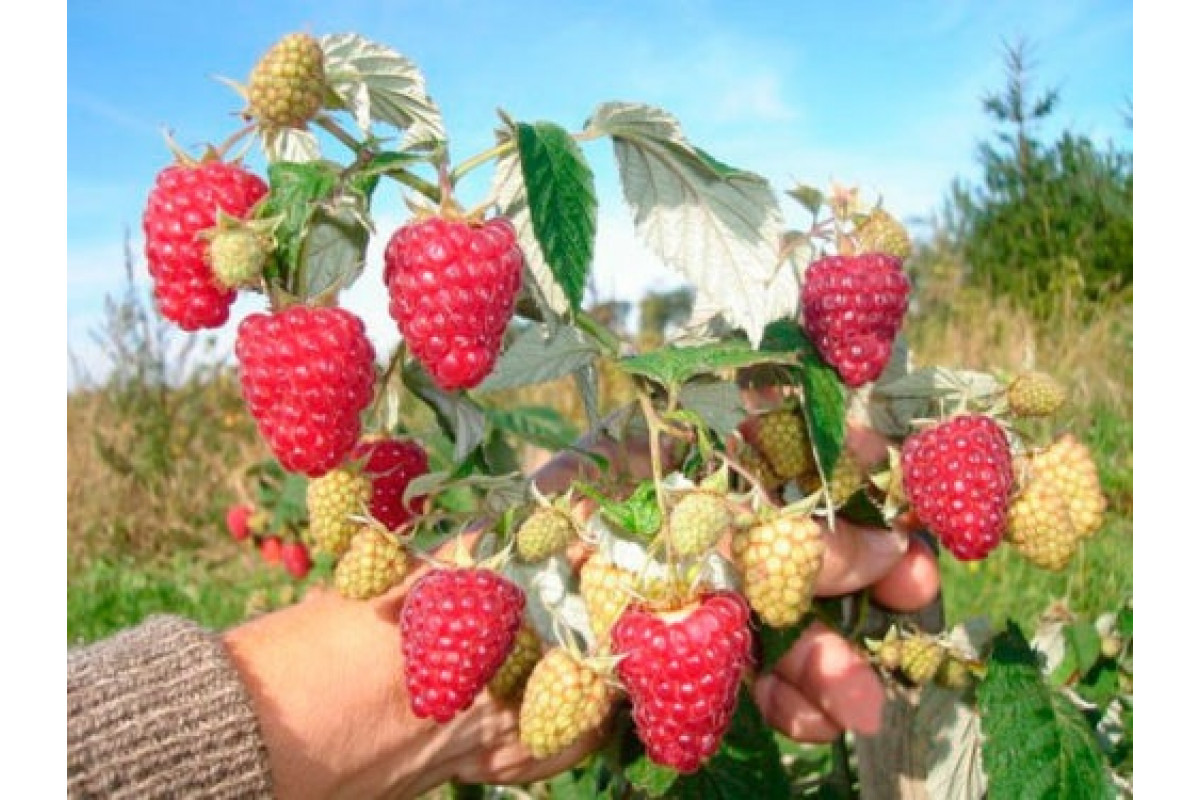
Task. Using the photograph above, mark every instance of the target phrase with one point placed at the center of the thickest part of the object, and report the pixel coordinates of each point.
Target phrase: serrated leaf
(747, 764)
(808, 196)
(672, 366)
(561, 193)
(290, 145)
(539, 425)
(550, 604)
(535, 357)
(295, 189)
(334, 251)
(374, 82)
(639, 514)
(509, 194)
(925, 393)
(719, 404)
(824, 411)
(863, 511)
(949, 741)
(717, 226)
(458, 415)
(1037, 743)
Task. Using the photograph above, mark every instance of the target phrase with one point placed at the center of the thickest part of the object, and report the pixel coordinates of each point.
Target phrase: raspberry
(697, 522)
(1068, 465)
(509, 681)
(332, 500)
(880, 232)
(287, 85)
(920, 658)
(391, 464)
(374, 563)
(296, 560)
(958, 476)
(546, 532)
(782, 437)
(307, 374)
(954, 674)
(237, 520)
(238, 250)
(682, 670)
(889, 653)
(853, 309)
(779, 561)
(1040, 527)
(183, 204)
(453, 285)
(566, 697)
(271, 550)
(606, 590)
(1035, 394)
(458, 626)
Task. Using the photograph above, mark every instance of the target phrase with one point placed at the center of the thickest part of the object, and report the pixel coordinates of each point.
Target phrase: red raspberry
(296, 560)
(237, 520)
(453, 285)
(958, 476)
(271, 549)
(307, 374)
(391, 464)
(183, 204)
(853, 309)
(457, 628)
(682, 670)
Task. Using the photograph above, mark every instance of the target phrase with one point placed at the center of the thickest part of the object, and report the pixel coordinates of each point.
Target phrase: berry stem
(477, 160)
(400, 175)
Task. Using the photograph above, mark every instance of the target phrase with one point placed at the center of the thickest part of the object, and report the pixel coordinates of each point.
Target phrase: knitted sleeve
(160, 711)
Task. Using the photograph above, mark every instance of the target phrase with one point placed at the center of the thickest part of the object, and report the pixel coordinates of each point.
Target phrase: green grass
(110, 594)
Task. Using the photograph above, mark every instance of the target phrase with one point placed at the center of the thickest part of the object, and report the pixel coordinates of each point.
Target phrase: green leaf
(562, 202)
(535, 357)
(334, 251)
(776, 642)
(1125, 622)
(719, 404)
(459, 416)
(540, 425)
(1037, 744)
(808, 196)
(824, 411)
(747, 765)
(653, 779)
(1101, 683)
(1083, 638)
(672, 366)
(294, 190)
(639, 514)
(374, 82)
(717, 226)
(860, 510)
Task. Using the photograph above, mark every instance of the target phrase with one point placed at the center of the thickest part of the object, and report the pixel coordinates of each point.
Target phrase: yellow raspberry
(1040, 527)
(287, 85)
(332, 499)
(783, 440)
(779, 561)
(606, 590)
(564, 699)
(1035, 394)
(920, 658)
(547, 531)
(375, 562)
(880, 232)
(697, 522)
(509, 682)
(1068, 466)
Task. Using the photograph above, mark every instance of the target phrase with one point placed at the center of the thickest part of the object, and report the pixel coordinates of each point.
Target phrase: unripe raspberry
(509, 682)
(565, 698)
(607, 590)
(375, 562)
(1035, 394)
(920, 658)
(954, 674)
(782, 437)
(758, 466)
(779, 561)
(332, 500)
(1068, 466)
(546, 532)
(890, 654)
(287, 85)
(697, 522)
(238, 252)
(880, 232)
(1040, 527)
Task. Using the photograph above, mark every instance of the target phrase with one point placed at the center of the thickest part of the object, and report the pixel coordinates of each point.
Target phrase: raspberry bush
(681, 584)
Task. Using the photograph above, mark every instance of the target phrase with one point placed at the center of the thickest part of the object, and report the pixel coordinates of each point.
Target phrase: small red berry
(682, 670)
(853, 309)
(453, 285)
(958, 476)
(296, 560)
(271, 550)
(391, 464)
(182, 205)
(237, 520)
(457, 628)
(307, 374)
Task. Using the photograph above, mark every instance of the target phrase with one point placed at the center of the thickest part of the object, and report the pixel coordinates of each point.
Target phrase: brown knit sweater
(160, 711)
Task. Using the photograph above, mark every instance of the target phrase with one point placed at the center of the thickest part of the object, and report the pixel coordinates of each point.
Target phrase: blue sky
(885, 95)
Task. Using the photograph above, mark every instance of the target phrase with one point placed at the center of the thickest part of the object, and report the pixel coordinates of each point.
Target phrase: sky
(882, 95)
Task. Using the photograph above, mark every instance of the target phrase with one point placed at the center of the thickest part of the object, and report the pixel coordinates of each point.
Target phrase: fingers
(913, 583)
(856, 557)
(819, 687)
